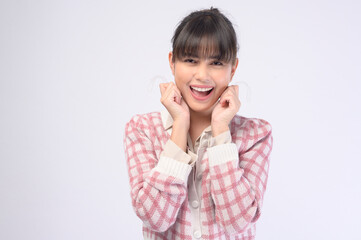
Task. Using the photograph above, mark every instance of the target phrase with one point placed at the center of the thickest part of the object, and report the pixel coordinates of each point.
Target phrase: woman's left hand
(225, 110)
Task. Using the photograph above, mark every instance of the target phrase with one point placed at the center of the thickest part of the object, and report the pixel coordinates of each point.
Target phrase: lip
(201, 98)
(202, 86)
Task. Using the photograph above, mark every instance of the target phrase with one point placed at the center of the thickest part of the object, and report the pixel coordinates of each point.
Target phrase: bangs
(205, 38)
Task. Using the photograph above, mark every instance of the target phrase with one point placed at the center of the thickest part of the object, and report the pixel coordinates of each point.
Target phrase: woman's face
(201, 81)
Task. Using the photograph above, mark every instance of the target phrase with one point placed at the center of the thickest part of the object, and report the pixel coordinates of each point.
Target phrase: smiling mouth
(201, 92)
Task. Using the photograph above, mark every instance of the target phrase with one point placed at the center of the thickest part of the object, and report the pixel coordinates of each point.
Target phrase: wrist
(218, 129)
(181, 125)
(179, 135)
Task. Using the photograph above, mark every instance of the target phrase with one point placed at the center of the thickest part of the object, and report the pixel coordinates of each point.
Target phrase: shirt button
(197, 234)
(199, 177)
(195, 204)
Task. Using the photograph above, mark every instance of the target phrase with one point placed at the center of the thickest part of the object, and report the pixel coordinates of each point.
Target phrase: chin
(206, 109)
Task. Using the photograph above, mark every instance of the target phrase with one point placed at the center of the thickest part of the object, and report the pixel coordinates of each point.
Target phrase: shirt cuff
(171, 150)
(222, 138)
(172, 167)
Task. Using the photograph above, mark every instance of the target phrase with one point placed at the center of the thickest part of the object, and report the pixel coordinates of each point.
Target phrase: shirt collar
(167, 121)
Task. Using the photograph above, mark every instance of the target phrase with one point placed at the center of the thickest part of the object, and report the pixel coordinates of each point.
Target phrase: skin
(191, 115)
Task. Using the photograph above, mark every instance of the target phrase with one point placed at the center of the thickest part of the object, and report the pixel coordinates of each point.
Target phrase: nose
(201, 72)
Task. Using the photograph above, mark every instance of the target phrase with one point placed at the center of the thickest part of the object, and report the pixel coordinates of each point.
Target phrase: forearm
(158, 183)
(179, 135)
(218, 129)
(231, 189)
(234, 197)
(238, 171)
(158, 198)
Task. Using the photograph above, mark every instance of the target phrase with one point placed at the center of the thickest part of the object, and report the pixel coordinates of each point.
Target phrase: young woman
(198, 170)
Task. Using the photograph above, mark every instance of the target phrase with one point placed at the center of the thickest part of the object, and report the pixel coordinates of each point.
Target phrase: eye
(217, 63)
(189, 60)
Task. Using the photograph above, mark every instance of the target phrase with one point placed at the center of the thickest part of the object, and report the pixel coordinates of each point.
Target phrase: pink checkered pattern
(232, 189)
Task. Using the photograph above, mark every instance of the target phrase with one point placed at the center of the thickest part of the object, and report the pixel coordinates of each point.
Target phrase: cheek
(220, 91)
(180, 86)
(222, 84)
(223, 80)
(222, 76)
(182, 77)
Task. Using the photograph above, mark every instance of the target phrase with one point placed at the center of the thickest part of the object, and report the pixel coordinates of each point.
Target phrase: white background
(72, 73)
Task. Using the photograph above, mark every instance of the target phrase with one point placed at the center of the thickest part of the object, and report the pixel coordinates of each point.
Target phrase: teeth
(201, 89)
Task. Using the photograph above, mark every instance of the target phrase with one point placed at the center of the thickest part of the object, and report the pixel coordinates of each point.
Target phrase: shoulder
(251, 125)
(250, 130)
(146, 124)
(145, 120)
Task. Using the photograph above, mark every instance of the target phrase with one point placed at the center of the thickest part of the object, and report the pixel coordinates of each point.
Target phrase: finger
(233, 88)
(237, 89)
(229, 98)
(224, 100)
(225, 91)
(167, 90)
(178, 91)
(163, 87)
(172, 94)
(175, 88)
(164, 92)
(177, 97)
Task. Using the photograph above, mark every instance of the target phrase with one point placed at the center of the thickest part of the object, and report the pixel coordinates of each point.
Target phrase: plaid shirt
(219, 195)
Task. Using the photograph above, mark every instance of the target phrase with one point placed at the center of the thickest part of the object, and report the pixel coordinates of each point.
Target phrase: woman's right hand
(172, 99)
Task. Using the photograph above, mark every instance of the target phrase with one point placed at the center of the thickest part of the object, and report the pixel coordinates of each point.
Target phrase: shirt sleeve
(171, 150)
(220, 139)
(239, 176)
(158, 186)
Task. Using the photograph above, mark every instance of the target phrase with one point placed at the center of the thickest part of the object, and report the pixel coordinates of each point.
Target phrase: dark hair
(205, 33)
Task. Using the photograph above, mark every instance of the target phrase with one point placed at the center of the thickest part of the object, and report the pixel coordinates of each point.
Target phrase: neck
(197, 118)
(198, 122)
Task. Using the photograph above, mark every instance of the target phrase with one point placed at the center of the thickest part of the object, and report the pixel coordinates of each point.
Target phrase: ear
(171, 63)
(234, 67)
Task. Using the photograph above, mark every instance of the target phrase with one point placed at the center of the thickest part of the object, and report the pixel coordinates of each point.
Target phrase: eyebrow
(218, 57)
(191, 55)
(215, 57)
